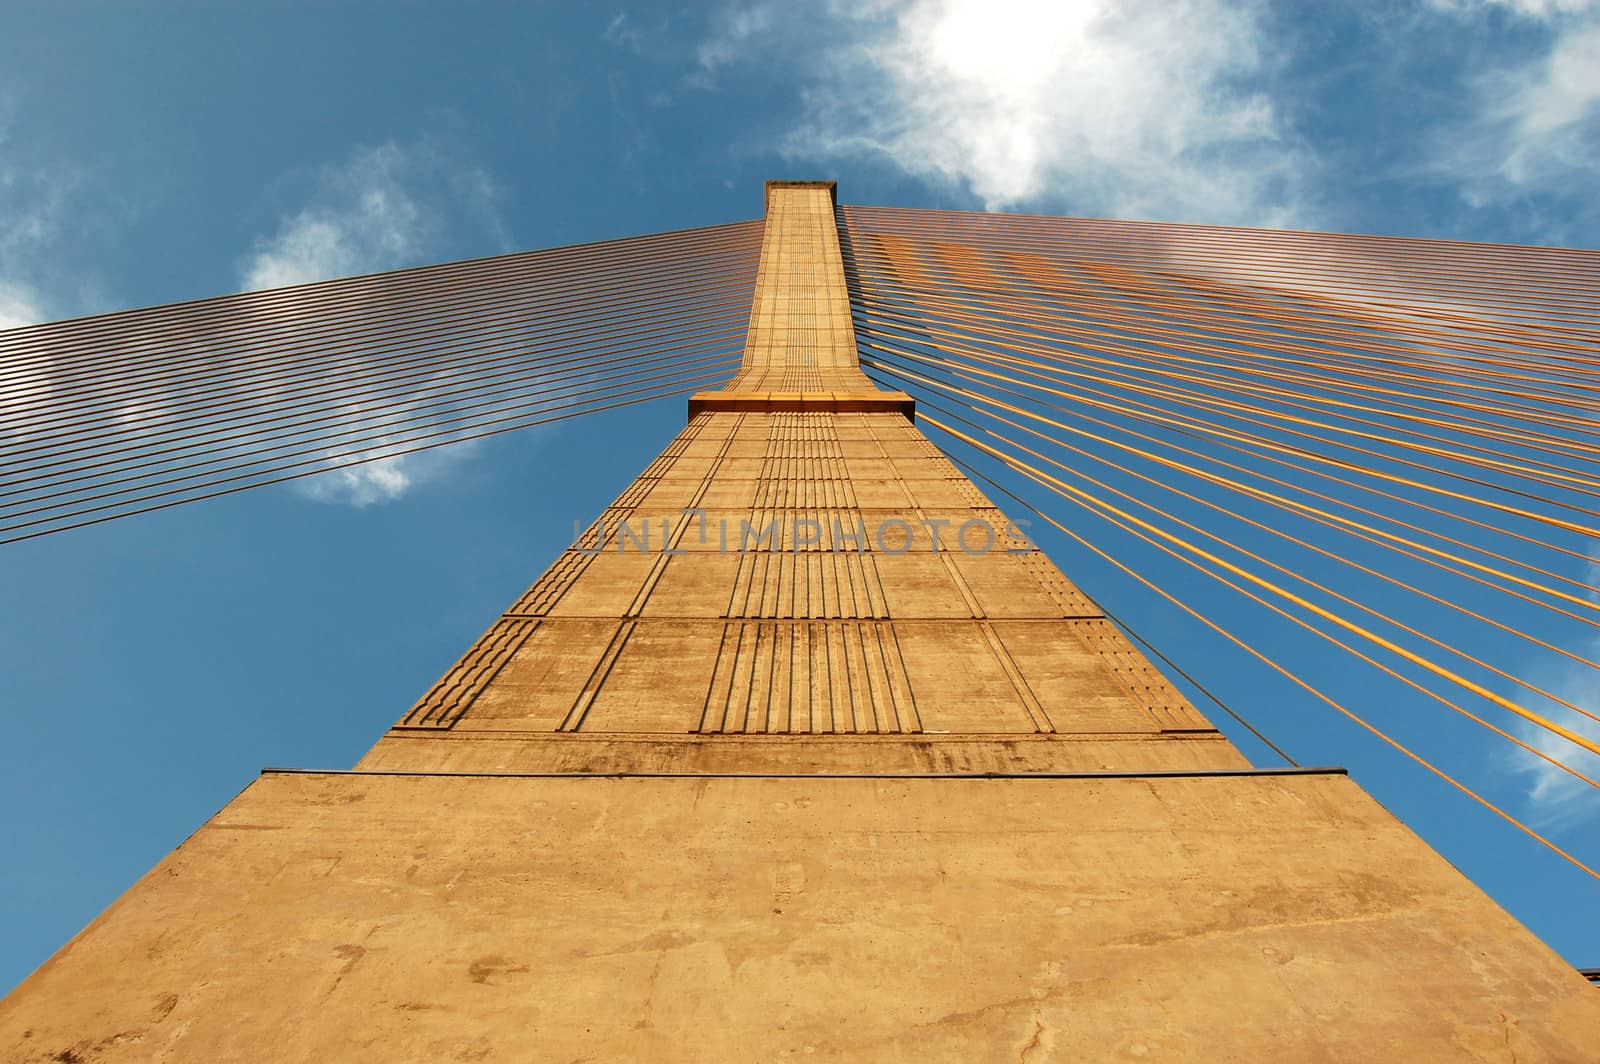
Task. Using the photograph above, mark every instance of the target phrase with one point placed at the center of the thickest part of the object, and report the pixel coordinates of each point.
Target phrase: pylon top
(831, 186)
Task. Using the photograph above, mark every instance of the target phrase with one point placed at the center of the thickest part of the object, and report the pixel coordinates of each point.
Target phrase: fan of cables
(1367, 464)
(124, 413)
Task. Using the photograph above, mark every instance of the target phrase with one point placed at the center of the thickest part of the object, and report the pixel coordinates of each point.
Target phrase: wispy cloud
(1552, 111)
(20, 393)
(623, 32)
(385, 479)
(1559, 799)
(1532, 136)
(382, 208)
(736, 30)
(33, 197)
(1523, 8)
(19, 305)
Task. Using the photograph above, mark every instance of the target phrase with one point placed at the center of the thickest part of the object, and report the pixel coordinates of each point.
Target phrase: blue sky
(150, 667)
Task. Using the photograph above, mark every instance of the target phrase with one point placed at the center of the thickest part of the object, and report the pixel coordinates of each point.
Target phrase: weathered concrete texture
(838, 576)
(751, 754)
(348, 917)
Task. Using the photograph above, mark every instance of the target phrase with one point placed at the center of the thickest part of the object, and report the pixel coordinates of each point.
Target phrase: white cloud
(385, 479)
(382, 208)
(1105, 108)
(365, 216)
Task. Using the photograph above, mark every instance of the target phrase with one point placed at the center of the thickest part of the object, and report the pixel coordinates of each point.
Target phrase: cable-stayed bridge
(840, 717)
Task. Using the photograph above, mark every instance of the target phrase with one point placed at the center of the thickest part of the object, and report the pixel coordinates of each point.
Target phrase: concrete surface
(356, 917)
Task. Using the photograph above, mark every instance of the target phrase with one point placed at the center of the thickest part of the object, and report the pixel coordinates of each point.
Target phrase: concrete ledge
(832, 188)
(843, 754)
(1189, 774)
(873, 402)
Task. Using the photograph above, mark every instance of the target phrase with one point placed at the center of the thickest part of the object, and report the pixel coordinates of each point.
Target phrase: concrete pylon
(803, 750)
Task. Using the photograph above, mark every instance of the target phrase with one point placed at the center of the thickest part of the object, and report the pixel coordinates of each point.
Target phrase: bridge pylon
(803, 749)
